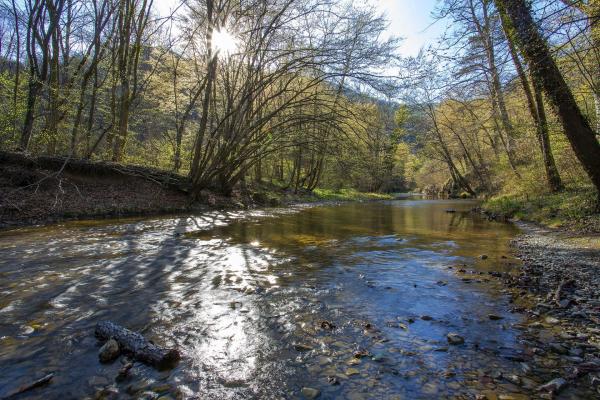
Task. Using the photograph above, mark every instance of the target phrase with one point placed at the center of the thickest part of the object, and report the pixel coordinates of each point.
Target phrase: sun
(224, 42)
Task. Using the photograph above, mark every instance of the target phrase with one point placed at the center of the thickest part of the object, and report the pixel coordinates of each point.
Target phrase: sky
(411, 20)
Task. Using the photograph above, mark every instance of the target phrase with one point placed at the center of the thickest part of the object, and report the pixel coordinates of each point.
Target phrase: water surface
(241, 293)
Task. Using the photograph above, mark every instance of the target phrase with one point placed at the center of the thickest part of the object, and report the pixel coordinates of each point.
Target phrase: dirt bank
(558, 286)
(45, 189)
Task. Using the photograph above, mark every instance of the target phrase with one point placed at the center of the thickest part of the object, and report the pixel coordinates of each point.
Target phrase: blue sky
(411, 19)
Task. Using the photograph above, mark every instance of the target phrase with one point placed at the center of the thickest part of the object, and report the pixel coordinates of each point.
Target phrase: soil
(37, 191)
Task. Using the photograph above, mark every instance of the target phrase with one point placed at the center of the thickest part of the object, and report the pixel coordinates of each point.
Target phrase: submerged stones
(326, 325)
(455, 339)
(495, 317)
(109, 351)
(310, 393)
(302, 347)
(554, 386)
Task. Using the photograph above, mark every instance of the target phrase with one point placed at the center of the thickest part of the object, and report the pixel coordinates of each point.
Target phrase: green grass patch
(569, 208)
(348, 195)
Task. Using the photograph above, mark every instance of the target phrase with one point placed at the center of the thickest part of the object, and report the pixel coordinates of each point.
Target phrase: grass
(571, 208)
(349, 195)
(273, 194)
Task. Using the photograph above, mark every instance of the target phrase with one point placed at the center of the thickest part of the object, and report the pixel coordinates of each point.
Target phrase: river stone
(559, 348)
(455, 338)
(554, 386)
(97, 381)
(109, 351)
(302, 347)
(352, 371)
(494, 317)
(310, 393)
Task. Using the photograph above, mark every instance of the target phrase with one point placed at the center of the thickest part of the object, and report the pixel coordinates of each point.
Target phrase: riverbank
(557, 286)
(572, 209)
(42, 190)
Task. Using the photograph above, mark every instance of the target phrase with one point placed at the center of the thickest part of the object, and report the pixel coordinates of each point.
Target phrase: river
(249, 298)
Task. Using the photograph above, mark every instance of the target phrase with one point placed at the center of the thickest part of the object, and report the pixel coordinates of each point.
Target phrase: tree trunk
(545, 71)
(538, 114)
(137, 345)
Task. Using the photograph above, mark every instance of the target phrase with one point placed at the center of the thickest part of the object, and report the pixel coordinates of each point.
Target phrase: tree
(544, 70)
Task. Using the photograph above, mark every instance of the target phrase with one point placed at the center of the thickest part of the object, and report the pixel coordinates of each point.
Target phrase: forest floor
(42, 190)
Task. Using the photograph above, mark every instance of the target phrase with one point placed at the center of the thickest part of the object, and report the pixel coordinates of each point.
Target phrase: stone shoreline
(558, 288)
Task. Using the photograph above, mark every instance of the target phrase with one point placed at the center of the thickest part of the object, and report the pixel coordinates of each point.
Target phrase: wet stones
(109, 351)
(124, 372)
(455, 339)
(326, 325)
(554, 386)
(559, 348)
(495, 317)
(483, 257)
(426, 317)
(310, 393)
(302, 347)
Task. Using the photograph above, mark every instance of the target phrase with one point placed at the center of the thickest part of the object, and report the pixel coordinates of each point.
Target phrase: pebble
(554, 386)
(310, 393)
(97, 381)
(494, 317)
(302, 347)
(455, 339)
(352, 371)
(109, 351)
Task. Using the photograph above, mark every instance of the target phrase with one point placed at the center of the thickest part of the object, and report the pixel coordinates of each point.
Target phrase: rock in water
(109, 351)
(554, 386)
(310, 393)
(494, 317)
(302, 347)
(454, 338)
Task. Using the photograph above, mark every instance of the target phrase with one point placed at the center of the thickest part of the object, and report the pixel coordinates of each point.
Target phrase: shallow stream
(251, 297)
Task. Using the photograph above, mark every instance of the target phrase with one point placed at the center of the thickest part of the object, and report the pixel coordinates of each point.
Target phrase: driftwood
(40, 382)
(137, 345)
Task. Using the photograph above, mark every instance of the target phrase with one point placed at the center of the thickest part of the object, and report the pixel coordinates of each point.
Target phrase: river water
(245, 296)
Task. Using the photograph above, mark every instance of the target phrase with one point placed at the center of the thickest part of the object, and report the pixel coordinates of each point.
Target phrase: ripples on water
(236, 291)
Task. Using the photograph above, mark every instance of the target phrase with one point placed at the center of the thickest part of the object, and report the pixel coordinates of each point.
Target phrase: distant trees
(112, 79)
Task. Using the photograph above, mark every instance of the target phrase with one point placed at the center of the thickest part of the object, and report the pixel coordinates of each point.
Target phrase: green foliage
(349, 195)
(567, 208)
(9, 115)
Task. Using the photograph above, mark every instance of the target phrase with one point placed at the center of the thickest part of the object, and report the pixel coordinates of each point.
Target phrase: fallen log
(137, 345)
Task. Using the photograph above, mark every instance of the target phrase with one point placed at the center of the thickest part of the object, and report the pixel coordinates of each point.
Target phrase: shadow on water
(244, 295)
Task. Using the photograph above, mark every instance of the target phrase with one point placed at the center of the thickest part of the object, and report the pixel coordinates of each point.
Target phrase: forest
(299, 199)
(302, 94)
